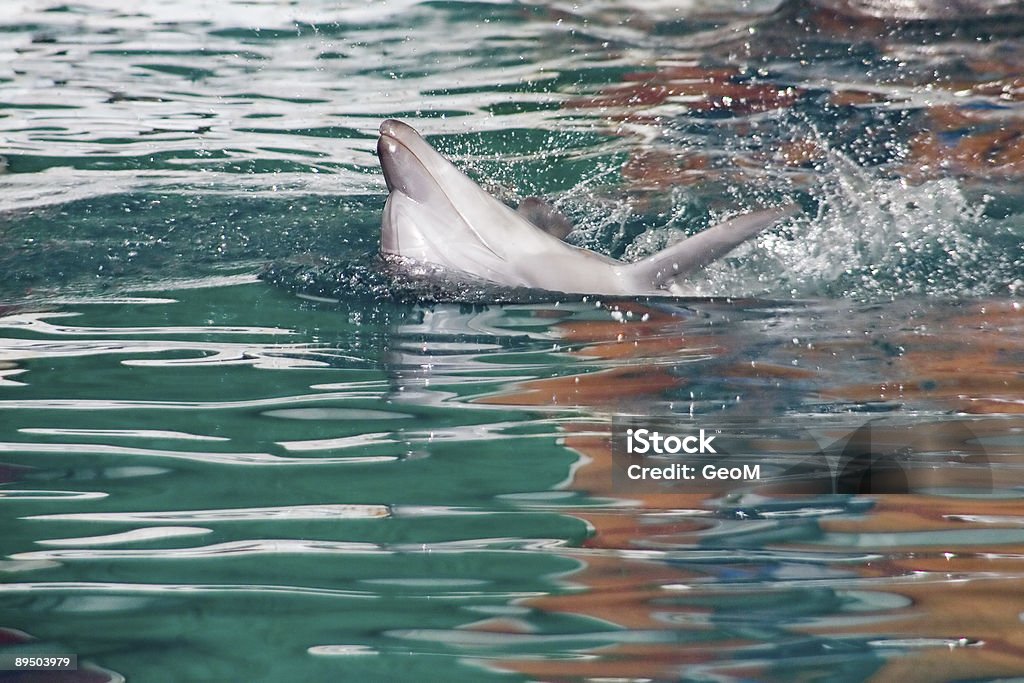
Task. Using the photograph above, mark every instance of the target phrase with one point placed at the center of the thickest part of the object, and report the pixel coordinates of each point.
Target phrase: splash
(868, 237)
(864, 235)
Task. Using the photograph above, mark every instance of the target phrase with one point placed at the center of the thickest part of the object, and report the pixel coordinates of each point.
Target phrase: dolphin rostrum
(437, 215)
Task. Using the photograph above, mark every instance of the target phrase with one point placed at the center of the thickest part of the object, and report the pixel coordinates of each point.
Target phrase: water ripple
(199, 456)
(36, 322)
(133, 536)
(232, 548)
(273, 356)
(114, 404)
(170, 588)
(291, 512)
(123, 433)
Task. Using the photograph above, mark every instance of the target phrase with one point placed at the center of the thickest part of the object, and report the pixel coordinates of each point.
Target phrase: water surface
(234, 449)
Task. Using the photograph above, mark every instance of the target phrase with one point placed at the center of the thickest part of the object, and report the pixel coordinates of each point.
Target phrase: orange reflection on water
(967, 359)
(946, 572)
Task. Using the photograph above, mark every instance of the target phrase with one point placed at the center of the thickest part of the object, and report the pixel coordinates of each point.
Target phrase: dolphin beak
(404, 158)
(387, 151)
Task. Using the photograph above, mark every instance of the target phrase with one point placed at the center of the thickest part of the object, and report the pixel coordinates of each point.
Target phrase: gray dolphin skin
(437, 215)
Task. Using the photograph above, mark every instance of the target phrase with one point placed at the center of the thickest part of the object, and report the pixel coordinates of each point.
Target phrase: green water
(299, 501)
(234, 448)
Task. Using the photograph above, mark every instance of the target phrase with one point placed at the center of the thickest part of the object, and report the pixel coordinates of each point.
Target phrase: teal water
(231, 448)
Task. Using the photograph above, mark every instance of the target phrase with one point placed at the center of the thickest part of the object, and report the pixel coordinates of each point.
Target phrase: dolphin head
(435, 214)
(411, 170)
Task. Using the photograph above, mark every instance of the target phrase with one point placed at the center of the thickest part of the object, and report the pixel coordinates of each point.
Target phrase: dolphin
(436, 215)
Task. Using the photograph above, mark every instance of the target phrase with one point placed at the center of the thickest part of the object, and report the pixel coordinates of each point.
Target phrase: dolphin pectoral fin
(701, 249)
(545, 216)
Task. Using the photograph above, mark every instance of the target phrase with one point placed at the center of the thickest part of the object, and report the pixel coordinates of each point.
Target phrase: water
(234, 447)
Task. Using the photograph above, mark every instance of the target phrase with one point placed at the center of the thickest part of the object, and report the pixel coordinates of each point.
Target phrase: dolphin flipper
(545, 216)
(697, 251)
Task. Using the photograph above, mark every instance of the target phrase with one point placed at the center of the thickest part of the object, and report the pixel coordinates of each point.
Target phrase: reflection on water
(209, 477)
(444, 500)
